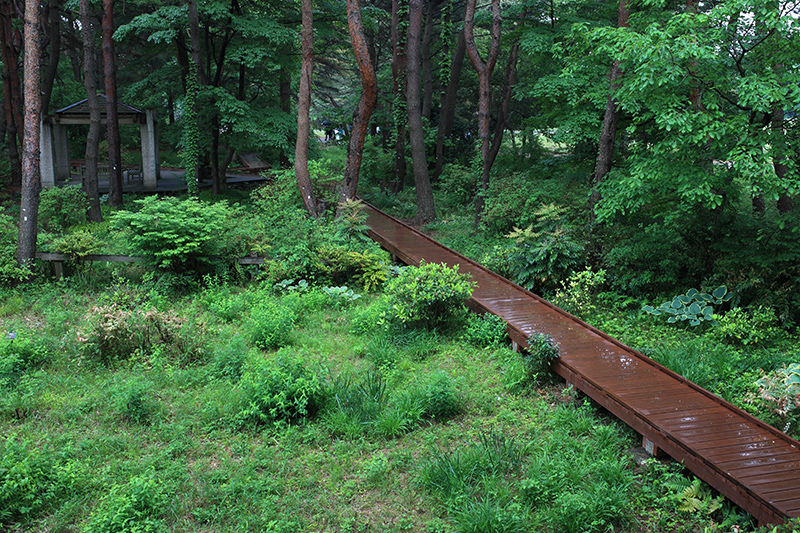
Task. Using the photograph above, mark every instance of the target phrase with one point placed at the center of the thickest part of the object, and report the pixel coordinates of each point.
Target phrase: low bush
(485, 330)
(340, 265)
(9, 271)
(428, 295)
(134, 401)
(442, 400)
(281, 389)
(138, 506)
(578, 295)
(61, 208)
(748, 327)
(270, 325)
(541, 352)
(18, 354)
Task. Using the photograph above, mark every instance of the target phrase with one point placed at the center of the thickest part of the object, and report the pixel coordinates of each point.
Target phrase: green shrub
(9, 272)
(229, 359)
(178, 235)
(540, 354)
(428, 295)
(442, 400)
(30, 479)
(62, 207)
(780, 390)
(338, 264)
(270, 325)
(694, 306)
(77, 245)
(281, 390)
(578, 294)
(137, 507)
(18, 354)
(355, 405)
(546, 252)
(485, 330)
(134, 401)
(748, 327)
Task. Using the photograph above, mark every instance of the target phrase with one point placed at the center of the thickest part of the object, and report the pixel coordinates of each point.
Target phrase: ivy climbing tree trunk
(398, 86)
(303, 107)
(366, 104)
(484, 70)
(90, 185)
(112, 120)
(31, 179)
(416, 134)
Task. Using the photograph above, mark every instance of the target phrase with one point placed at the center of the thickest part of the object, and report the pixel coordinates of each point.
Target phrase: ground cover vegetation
(640, 171)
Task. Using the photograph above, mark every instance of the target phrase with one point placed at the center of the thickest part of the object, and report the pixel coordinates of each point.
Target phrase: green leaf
(692, 292)
(695, 308)
(694, 322)
(720, 292)
(672, 319)
(677, 303)
(683, 299)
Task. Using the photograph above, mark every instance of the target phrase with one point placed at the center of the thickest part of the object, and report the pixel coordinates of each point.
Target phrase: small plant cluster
(18, 354)
(138, 506)
(541, 352)
(10, 273)
(748, 327)
(780, 390)
(578, 294)
(694, 306)
(486, 330)
(116, 333)
(428, 295)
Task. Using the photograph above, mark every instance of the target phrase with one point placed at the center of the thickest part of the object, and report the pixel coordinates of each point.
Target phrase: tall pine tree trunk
(303, 107)
(416, 135)
(90, 185)
(447, 111)
(398, 85)
(31, 179)
(366, 104)
(12, 92)
(112, 120)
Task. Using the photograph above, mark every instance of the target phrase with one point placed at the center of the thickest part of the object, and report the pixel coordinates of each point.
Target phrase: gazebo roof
(78, 113)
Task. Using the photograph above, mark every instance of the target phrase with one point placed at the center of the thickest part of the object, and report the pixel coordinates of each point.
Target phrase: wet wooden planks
(753, 464)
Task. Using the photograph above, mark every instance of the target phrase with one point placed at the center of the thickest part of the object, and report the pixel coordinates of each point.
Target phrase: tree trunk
(31, 179)
(112, 120)
(500, 125)
(427, 70)
(605, 150)
(398, 86)
(366, 104)
(12, 92)
(93, 138)
(779, 162)
(285, 87)
(416, 135)
(54, 29)
(447, 111)
(484, 70)
(303, 107)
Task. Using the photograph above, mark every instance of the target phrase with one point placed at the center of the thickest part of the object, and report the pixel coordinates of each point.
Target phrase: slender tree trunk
(484, 70)
(112, 120)
(447, 111)
(93, 138)
(779, 162)
(31, 179)
(416, 135)
(366, 104)
(605, 151)
(398, 85)
(12, 92)
(500, 125)
(303, 107)
(285, 87)
(54, 29)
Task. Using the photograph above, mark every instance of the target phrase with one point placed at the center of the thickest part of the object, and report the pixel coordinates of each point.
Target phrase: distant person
(328, 130)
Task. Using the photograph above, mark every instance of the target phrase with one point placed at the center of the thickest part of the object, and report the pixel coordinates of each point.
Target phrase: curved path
(751, 463)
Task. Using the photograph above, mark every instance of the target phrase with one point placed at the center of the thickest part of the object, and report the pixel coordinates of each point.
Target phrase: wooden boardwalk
(751, 463)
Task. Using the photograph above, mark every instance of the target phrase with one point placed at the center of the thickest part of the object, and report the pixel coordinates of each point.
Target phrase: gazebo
(55, 161)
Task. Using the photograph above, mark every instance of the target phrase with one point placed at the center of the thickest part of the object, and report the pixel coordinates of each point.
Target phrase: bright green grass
(108, 435)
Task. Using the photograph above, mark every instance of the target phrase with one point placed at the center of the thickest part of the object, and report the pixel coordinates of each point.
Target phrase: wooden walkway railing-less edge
(753, 464)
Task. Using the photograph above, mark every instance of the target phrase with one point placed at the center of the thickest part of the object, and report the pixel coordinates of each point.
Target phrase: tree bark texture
(398, 85)
(427, 69)
(447, 112)
(605, 150)
(12, 92)
(366, 103)
(54, 30)
(484, 70)
(416, 135)
(31, 178)
(112, 120)
(505, 103)
(90, 185)
(303, 107)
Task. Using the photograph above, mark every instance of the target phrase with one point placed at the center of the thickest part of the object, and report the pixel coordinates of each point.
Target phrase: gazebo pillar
(47, 154)
(61, 151)
(150, 165)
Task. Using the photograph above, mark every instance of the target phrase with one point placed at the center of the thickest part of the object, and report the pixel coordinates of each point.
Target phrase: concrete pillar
(61, 151)
(150, 166)
(46, 154)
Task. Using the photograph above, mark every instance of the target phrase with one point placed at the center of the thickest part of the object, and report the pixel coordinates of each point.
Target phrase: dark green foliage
(182, 236)
(442, 400)
(18, 354)
(368, 267)
(134, 400)
(279, 390)
(137, 507)
(693, 306)
(354, 404)
(229, 359)
(270, 325)
(428, 295)
(485, 330)
(546, 252)
(61, 208)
